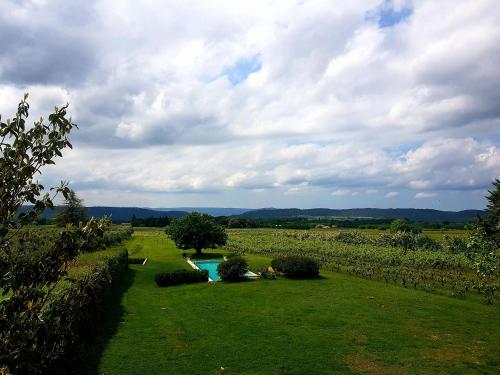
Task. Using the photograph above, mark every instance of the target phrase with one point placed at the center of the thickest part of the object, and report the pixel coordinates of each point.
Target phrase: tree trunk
(198, 251)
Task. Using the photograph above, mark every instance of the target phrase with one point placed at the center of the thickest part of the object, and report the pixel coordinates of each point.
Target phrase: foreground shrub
(71, 319)
(233, 269)
(181, 277)
(296, 266)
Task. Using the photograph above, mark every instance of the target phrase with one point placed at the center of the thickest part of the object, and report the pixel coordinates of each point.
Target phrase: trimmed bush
(296, 266)
(233, 269)
(181, 277)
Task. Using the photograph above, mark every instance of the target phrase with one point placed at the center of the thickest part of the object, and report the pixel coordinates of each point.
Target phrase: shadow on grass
(114, 316)
(319, 277)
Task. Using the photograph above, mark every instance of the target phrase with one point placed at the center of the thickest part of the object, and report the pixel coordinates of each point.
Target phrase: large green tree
(72, 211)
(197, 231)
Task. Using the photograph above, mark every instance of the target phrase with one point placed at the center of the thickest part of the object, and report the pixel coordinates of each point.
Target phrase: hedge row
(74, 314)
(113, 236)
(181, 277)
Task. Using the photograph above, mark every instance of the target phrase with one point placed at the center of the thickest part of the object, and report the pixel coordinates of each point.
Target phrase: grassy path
(336, 324)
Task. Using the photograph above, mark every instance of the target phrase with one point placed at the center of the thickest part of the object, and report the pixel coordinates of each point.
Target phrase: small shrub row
(296, 266)
(181, 277)
(233, 269)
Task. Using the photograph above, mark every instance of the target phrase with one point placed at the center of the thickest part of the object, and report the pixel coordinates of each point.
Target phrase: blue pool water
(210, 266)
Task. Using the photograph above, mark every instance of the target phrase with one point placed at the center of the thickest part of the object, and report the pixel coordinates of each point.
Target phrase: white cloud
(341, 192)
(392, 194)
(423, 195)
(337, 102)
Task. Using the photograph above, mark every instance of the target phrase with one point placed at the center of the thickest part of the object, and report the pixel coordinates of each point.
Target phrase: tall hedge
(73, 317)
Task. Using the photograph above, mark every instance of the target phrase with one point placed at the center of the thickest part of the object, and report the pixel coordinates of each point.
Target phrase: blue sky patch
(242, 69)
(388, 16)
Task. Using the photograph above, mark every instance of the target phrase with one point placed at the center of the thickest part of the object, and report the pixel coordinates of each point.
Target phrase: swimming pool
(211, 266)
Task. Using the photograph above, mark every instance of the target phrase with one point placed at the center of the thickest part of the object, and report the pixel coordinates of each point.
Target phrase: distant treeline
(291, 223)
(300, 223)
(151, 221)
(309, 223)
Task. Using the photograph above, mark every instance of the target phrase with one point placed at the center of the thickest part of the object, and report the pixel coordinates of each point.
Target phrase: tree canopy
(197, 231)
(72, 211)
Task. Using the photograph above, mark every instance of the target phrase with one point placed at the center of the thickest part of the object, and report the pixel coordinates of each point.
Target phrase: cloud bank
(288, 103)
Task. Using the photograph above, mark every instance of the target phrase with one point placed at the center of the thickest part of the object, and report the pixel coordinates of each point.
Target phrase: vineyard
(414, 261)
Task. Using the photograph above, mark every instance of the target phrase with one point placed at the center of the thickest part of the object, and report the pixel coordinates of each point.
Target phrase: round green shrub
(296, 266)
(233, 269)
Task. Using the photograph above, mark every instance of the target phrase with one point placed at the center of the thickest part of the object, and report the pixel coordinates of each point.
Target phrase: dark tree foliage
(233, 269)
(27, 278)
(158, 222)
(197, 231)
(296, 266)
(484, 245)
(492, 219)
(72, 211)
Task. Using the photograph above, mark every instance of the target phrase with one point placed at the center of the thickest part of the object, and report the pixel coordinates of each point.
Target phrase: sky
(253, 104)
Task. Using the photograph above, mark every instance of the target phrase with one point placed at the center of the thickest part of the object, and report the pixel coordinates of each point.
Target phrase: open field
(335, 324)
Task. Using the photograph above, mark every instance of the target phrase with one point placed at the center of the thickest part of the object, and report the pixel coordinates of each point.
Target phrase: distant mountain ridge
(122, 214)
(214, 211)
(125, 214)
(413, 214)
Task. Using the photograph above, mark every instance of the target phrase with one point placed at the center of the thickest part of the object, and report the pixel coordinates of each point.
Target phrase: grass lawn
(337, 324)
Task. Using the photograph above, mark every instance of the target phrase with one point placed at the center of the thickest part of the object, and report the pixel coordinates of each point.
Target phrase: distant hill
(126, 213)
(123, 214)
(214, 211)
(413, 214)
